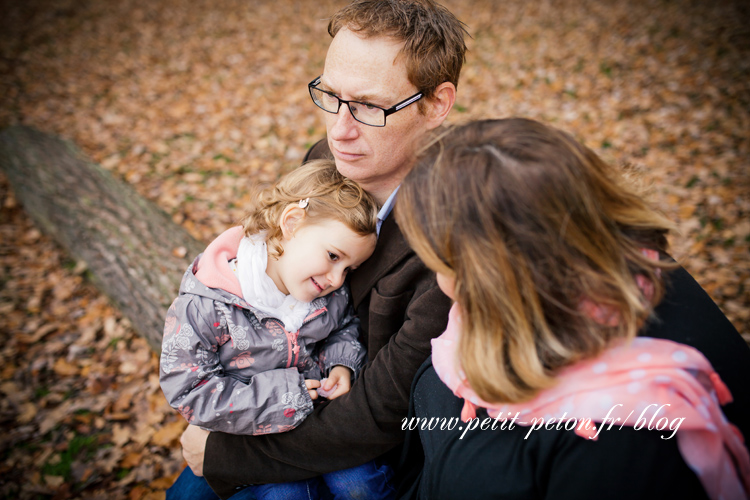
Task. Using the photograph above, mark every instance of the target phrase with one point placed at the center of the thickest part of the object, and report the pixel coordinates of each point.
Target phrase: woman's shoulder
(687, 305)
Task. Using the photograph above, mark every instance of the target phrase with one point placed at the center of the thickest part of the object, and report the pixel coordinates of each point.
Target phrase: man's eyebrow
(359, 98)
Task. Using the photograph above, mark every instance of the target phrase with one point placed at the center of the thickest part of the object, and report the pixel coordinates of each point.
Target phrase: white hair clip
(304, 203)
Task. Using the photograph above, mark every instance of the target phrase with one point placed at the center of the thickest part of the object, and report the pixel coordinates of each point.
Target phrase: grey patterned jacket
(228, 367)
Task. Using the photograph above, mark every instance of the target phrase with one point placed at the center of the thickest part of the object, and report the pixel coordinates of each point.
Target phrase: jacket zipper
(291, 338)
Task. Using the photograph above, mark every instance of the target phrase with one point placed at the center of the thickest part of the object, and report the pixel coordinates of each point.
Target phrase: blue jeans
(370, 481)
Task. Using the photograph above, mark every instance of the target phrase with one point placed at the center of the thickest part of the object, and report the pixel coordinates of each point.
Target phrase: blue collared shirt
(386, 209)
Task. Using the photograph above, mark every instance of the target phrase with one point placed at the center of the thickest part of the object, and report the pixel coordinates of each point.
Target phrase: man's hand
(193, 443)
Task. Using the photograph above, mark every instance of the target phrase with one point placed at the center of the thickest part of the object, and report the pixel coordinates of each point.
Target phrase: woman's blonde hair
(329, 195)
(530, 223)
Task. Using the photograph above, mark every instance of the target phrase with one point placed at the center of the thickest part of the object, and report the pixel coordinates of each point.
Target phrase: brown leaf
(28, 412)
(117, 416)
(39, 334)
(54, 481)
(120, 435)
(63, 368)
(169, 433)
(138, 493)
(162, 483)
(131, 460)
(687, 211)
(123, 401)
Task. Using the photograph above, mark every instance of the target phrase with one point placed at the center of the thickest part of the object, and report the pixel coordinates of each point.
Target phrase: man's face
(367, 70)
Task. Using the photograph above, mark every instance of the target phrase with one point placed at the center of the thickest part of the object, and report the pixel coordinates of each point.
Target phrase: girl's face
(317, 257)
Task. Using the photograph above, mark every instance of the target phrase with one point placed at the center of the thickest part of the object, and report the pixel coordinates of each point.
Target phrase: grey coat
(228, 367)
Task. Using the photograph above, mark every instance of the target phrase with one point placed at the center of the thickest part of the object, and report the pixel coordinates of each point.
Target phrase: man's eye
(333, 256)
(366, 105)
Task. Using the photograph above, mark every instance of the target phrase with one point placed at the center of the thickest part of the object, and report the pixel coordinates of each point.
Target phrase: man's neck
(381, 192)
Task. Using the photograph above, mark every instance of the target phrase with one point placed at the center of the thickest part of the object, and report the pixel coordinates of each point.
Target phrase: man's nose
(344, 127)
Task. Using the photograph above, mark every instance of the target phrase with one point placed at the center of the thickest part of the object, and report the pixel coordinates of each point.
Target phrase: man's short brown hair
(433, 38)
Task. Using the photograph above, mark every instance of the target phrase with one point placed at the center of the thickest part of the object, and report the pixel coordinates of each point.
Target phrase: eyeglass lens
(369, 115)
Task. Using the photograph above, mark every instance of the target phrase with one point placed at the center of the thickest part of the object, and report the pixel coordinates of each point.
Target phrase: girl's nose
(336, 278)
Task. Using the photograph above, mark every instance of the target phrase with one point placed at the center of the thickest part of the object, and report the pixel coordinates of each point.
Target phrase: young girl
(564, 301)
(263, 318)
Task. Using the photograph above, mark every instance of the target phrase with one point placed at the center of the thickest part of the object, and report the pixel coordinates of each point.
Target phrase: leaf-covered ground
(192, 101)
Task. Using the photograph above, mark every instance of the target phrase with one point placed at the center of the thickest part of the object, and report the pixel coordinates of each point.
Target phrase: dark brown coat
(401, 309)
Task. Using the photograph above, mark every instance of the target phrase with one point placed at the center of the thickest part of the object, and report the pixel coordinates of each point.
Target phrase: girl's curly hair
(331, 197)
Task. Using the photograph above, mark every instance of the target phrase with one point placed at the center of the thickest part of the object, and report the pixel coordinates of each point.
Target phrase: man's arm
(360, 425)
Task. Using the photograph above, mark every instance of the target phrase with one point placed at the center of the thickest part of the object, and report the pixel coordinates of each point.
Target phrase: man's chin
(352, 169)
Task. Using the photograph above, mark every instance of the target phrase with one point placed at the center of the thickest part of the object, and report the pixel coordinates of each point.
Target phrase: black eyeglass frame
(386, 111)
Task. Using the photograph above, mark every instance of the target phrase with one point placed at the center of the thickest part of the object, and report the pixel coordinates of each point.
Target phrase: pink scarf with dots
(647, 383)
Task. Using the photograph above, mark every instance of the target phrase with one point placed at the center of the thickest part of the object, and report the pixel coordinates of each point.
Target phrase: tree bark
(136, 254)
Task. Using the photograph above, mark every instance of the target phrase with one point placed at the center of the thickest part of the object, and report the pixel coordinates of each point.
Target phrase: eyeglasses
(369, 114)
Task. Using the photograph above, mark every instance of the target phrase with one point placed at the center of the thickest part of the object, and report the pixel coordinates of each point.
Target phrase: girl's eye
(333, 256)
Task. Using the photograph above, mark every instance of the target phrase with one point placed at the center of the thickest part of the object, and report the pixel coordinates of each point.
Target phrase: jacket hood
(211, 276)
(213, 267)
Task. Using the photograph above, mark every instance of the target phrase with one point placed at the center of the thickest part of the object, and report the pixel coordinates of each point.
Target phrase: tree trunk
(135, 253)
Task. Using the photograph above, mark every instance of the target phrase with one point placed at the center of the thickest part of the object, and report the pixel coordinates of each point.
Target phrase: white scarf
(259, 290)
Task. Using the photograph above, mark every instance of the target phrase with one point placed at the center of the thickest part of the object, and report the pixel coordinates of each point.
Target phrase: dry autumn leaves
(190, 102)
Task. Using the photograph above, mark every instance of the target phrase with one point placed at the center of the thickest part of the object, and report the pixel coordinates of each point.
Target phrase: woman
(555, 268)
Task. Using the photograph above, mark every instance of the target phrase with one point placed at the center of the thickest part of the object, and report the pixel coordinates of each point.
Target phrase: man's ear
(441, 103)
(290, 220)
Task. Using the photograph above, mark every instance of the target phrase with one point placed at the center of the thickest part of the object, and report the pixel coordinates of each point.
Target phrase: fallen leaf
(54, 481)
(120, 435)
(28, 412)
(169, 433)
(64, 368)
(162, 483)
(131, 460)
(43, 332)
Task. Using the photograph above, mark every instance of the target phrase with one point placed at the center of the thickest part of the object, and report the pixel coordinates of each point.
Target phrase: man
(389, 79)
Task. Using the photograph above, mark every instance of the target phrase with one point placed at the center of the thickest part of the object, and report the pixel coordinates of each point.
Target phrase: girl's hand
(340, 377)
(312, 385)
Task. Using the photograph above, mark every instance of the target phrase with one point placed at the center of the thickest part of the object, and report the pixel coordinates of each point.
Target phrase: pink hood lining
(213, 266)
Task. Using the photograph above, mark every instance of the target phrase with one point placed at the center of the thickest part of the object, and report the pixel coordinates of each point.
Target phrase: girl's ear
(290, 220)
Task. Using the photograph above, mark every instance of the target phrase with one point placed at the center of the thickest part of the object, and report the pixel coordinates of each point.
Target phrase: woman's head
(319, 216)
(530, 225)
